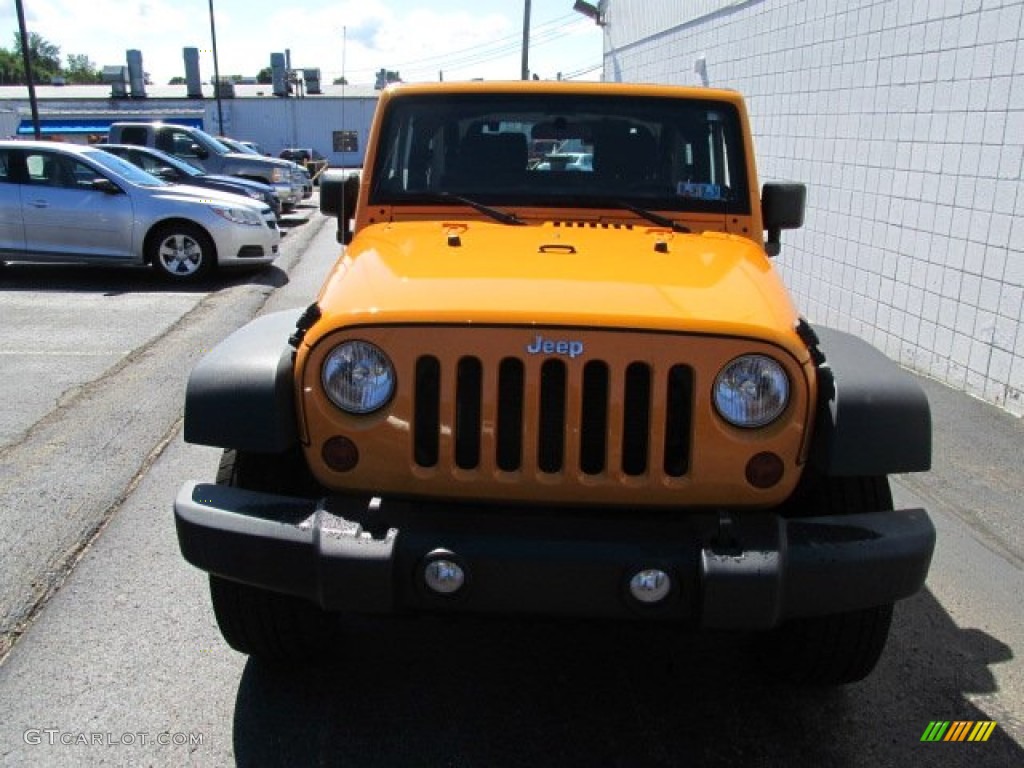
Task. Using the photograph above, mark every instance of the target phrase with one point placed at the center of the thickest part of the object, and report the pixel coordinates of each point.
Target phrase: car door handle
(39, 204)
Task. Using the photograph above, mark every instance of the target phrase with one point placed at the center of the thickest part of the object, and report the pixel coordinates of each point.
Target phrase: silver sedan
(65, 202)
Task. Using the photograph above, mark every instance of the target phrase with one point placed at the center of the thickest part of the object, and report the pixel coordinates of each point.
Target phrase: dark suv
(177, 171)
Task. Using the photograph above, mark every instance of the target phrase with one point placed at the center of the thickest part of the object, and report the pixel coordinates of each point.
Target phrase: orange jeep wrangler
(533, 389)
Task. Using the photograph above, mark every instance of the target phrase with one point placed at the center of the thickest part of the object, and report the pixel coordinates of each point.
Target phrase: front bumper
(729, 571)
(288, 193)
(246, 246)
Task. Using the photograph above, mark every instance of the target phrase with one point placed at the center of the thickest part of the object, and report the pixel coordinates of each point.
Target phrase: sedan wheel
(181, 252)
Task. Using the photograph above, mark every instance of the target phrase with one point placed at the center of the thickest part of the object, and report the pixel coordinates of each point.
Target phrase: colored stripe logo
(958, 730)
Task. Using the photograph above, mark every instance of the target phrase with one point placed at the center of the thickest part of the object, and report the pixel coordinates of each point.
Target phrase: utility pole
(526, 40)
(27, 57)
(216, 74)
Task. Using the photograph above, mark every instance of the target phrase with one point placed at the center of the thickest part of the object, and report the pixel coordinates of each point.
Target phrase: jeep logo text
(542, 346)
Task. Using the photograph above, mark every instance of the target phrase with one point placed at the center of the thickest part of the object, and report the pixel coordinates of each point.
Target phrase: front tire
(181, 252)
(832, 650)
(273, 627)
(845, 647)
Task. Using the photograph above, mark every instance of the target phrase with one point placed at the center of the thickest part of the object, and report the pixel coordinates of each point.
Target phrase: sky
(421, 39)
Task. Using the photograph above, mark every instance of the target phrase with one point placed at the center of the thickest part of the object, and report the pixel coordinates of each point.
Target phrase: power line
(545, 33)
(580, 72)
(505, 42)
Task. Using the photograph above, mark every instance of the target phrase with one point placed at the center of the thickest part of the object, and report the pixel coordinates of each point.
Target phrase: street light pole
(526, 41)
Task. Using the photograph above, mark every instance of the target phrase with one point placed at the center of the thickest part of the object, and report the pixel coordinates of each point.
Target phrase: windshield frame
(665, 117)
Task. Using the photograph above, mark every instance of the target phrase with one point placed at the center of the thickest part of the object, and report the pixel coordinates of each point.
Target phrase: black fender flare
(241, 394)
(873, 417)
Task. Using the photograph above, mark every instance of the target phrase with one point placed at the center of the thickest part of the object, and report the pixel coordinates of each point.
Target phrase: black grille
(572, 402)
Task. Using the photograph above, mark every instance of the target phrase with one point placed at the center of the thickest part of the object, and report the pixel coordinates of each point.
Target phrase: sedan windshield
(563, 150)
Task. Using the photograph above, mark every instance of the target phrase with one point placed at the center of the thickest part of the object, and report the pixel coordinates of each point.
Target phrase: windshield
(155, 158)
(563, 150)
(124, 169)
(215, 144)
(237, 146)
(151, 160)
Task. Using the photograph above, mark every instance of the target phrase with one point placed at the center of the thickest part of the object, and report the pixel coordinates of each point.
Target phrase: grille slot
(678, 409)
(468, 396)
(592, 420)
(511, 382)
(551, 429)
(636, 419)
(427, 419)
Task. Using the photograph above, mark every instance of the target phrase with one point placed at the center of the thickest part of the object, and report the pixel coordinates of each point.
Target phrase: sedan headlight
(238, 215)
(751, 391)
(358, 377)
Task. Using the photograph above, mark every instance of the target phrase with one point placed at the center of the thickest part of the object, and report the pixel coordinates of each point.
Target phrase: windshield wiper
(651, 216)
(503, 216)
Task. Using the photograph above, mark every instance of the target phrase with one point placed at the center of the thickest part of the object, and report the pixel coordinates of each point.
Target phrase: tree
(44, 56)
(265, 76)
(10, 68)
(177, 80)
(81, 70)
(341, 81)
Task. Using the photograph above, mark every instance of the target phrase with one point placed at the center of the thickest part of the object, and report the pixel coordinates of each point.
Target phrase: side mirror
(199, 151)
(782, 207)
(339, 192)
(106, 186)
(350, 195)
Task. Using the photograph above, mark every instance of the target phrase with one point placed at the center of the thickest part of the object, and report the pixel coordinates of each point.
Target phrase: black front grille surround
(553, 422)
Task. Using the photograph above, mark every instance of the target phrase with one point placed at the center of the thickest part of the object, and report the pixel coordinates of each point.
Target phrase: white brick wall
(906, 121)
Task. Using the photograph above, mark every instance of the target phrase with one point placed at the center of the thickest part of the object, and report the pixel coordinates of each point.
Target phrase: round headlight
(358, 377)
(751, 391)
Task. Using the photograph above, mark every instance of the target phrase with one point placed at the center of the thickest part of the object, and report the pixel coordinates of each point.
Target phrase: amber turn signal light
(764, 470)
(340, 454)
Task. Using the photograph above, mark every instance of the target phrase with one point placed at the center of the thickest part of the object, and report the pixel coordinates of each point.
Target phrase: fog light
(340, 454)
(650, 585)
(444, 576)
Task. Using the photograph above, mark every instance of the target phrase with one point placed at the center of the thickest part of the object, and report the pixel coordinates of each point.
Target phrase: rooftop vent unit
(312, 78)
(279, 74)
(225, 88)
(118, 78)
(136, 75)
(193, 83)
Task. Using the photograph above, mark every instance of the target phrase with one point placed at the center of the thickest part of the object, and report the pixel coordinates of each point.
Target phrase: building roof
(101, 92)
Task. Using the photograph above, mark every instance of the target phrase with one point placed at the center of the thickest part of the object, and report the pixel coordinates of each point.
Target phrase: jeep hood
(575, 274)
